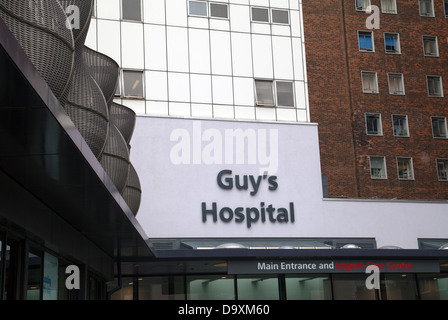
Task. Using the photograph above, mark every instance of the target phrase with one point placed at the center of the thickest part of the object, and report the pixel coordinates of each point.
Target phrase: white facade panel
(177, 49)
(201, 88)
(109, 39)
(156, 85)
(154, 11)
(283, 58)
(262, 56)
(242, 55)
(108, 9)
(178, 87)
(132, 46)
(221, 55)
(155, 55)
(199, 50)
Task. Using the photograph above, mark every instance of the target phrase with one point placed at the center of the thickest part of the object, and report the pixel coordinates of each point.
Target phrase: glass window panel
(312, 287)
(434, 86)
(210, 288)
(433, 286)
(400, 287)
(264, 94)
(400, 125)
(352, 287)
(442, 169)
(50, 281)
(361, 5)
(373, 123)
(257, 287)
(396, 83)
(426, 8)
(34, 276)
(430, 46)
(405, 170)
(392, 43)
(219, 10)
(365, 41)
(377, 168)
(388, 6)
(197, 8)
(126, 292)
(161, 288)
(446, 8)
(133, 84)
(369, 82)
(260, 14)
(285, 95)
(439, 127)
(132, 10)
(280, 16)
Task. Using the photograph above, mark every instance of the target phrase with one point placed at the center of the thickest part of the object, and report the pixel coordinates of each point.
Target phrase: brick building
(378, 95)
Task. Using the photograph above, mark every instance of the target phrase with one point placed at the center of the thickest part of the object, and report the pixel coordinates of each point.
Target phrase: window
(430, 46)
(396, 84)
(365, 39)
(378, 167)
(392, 42)
(280, 94)
(280, 16)
(197, 8)
(426, 8)
(438, 127)
(446, 8)
(388, 6)
(260, 14)
(133, 84)
(218, 10)
(373, 124)
(285, 95)
(400, 125)
(405, 170)
(369, 82)
(132, 10)
(361, 5)
(442, 169)
(434, 86)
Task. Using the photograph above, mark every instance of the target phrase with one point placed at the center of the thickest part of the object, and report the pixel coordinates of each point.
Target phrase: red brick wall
(338, 104)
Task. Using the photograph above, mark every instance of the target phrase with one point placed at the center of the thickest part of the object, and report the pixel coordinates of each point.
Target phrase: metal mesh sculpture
(82, 79)
(132, 192)
(85, 102)
(39, 27)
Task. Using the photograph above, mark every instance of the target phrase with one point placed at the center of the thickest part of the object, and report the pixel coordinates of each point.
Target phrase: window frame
(220, 4)
(445, 125)
(407, 135)
(258, 21)
(403, 92)
(445, 161)
(198, 15)
(398, 45)
(371, 39)
(379, 124)
(274, 93)
(280, 23)
(436, 40)
(384, 167)
(363, 72)
(362, 10)
(428, 77)
(128, 19)
(411, 165)
(123, 85)
(387, 12)
(432, 9)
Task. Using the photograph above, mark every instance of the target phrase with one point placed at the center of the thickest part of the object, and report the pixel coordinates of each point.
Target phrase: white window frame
(198, 15)
(131, 20)
(426, 14)
(388, 12)
(406, 126)
(274, 93)
(426, 37)
(411, 167)
(218, 3)
(363, 9)
(364, 72)
(398, 46)
(373, 41)
(396, 93)
(444, 124)
(262, 8)
(428, 77)
(379, 125)
(280, 23)
(384, 168)
(445, 163)
(123, 89)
